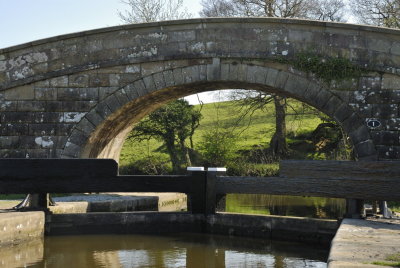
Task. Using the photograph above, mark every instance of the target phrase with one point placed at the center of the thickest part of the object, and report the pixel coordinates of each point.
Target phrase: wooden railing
(378, 180)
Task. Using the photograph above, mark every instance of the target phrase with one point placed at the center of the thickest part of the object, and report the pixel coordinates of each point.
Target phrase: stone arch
(102, 131)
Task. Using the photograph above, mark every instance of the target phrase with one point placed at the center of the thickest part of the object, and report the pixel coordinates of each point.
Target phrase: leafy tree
(153, 10)
(172, 125)
(377, 12)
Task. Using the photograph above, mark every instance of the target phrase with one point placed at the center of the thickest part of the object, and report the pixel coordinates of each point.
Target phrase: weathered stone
(31, 106)
(365, 148)
(389, 138)
(388, 152)
(15, 117)
(359, 134)
(78, 106)
(48, 117)
(10, 142)
(122, 97)
(390, 81)
(99, 80)
(112, 103)
(271, 77)
(296, 85)
(78, 80)
(13, 129)
(61, 81)
(159, 80)
(45, 94)
(85, 126)
(42, 129)
(20, 93)
(106, 91)
(94, 118)
(103, 110)
(385, 111)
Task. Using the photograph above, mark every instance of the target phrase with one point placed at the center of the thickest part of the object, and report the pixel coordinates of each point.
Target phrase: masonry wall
(56, 93)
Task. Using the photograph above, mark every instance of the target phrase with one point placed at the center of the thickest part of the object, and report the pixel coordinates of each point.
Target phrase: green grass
(254, 131)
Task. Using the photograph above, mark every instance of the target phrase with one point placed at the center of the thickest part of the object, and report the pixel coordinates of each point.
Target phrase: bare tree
(153, 10)
(331, 10)
(377, 12)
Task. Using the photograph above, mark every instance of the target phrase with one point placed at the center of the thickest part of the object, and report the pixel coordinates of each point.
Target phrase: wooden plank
(210, 193)
(62, 168)
(197, 198)
(389, 189)
(77, 184)
(355, 170)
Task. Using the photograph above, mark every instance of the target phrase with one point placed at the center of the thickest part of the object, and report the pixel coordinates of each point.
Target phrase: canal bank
(366, 243)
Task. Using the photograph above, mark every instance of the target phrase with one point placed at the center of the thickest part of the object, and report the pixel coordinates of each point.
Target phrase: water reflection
(22, 255)
(313, 207)
(183, 250)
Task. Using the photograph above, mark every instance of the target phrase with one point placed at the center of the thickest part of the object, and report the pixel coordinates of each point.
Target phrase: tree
(313, 9)
(172, 125)
(153, 10)
(377, 12)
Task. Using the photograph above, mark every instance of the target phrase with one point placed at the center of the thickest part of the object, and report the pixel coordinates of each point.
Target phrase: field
(253, 131)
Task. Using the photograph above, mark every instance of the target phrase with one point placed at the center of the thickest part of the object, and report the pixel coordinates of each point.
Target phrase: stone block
(31, 106)
(169, 78)
(20, 93)
(365, 149)
(214, 70)
(391, 124)
(178, 76)
(77, 106)
(225, 72)
(370, 83)
(47, 117)
(54, 106)
(16, 117)
(94, 118)
(351, 123)
(380, 45)
(64, 129)
(78, 94)
(71, 150)
(85, 126)
(42, 129)
(391, 81)
(106, 91)
(61, 81)
(37, 153)
(272, 76)
(12, 153)
(99, 80)
(122, 97)
(389, 138)
(78, 138)
(359, 134)
(385, 111)
(343, 112)
(388, 152)
(383, 96)
(13, 129)
(8, 106)
(296, 85)
(181, 36)
(158, 79)
(149, 83)
(191, 74)
(233, 71)
(364, 110)
(38, 142)
(45, 94)
(10, 142)
(112, 103)
(331, 107)
(78, 80)
(322, 99)
(103, 110)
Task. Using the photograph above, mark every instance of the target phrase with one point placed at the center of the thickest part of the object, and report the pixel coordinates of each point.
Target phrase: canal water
(179, 250)
(312, 207)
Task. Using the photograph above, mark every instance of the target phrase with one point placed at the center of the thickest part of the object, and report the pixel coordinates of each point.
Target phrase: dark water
(313, 207)
(184, 250)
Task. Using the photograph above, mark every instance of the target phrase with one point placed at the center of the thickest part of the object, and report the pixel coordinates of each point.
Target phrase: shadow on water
(178, 250)
(312, 207)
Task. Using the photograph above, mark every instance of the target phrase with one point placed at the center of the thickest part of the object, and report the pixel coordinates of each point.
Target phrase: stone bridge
(78, 95)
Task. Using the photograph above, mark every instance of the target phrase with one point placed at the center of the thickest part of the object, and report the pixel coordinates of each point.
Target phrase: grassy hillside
(253, 131)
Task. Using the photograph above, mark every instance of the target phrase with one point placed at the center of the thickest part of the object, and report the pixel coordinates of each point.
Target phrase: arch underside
(111, 120)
